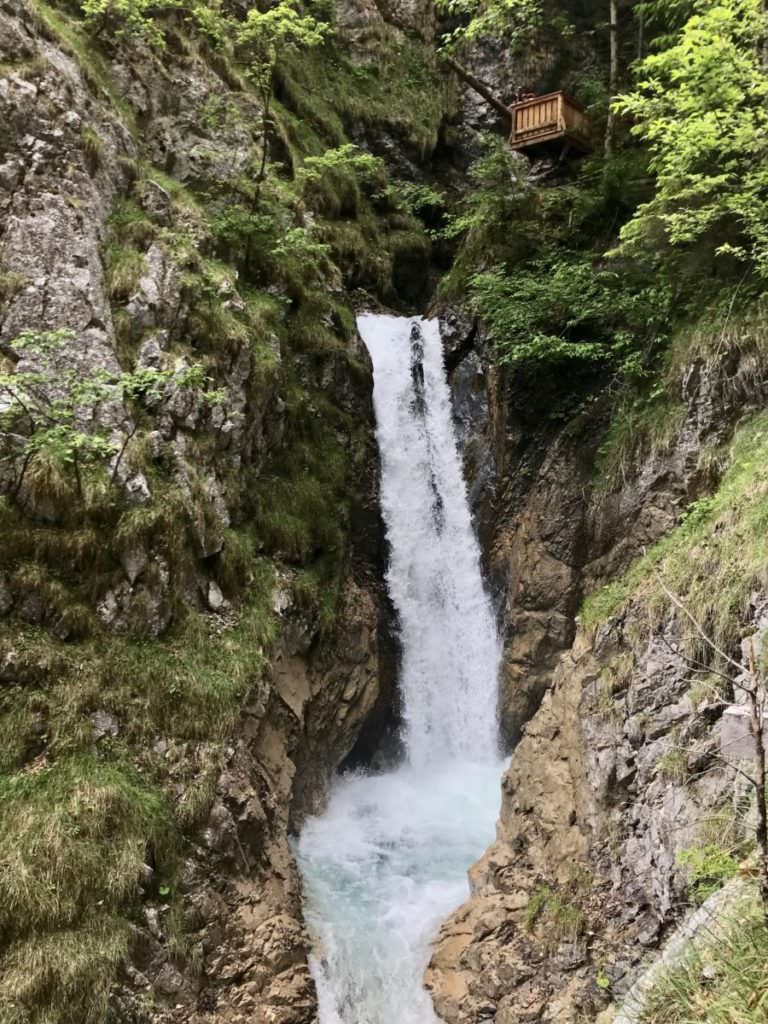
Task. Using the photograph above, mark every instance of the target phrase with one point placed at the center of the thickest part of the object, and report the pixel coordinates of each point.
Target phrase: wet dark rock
(614, 765)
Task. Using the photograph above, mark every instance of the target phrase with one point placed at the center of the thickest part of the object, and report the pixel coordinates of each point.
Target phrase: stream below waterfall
(388, 860)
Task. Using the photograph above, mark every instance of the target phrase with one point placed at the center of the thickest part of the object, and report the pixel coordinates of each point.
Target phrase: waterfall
(449, 642)
(388, 860)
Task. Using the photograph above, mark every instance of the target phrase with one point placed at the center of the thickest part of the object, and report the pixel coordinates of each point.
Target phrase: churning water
(388, 860)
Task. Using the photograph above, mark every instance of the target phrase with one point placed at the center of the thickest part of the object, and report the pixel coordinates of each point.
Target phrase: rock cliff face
(242, 892)
(204, 623)
(615, 766)
(105, 151)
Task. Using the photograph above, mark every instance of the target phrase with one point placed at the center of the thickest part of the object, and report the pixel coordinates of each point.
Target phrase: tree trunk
(478, 86)
(761, 831)
(266, 100)
(756, 707)
(613, 76)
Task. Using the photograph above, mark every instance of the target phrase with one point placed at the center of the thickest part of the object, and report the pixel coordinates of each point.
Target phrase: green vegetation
(41, 422)
(332, 183)
(715, 558)
(266, 37)
(611, 682)
(70, 970)
(555, 914)
(673, 765)
(700, 107)
(94, 149)
(93, 63)
(709, 867)
(142, 20)
(187, 686)
(602, 979)
(522, 24)
(726, 982)
(82, 817)
(647, 418)
(75, 835)
(335, 99)
(544, 287)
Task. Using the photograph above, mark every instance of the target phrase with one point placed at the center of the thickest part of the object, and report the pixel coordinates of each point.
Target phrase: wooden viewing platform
(541, 120)
(539, 125)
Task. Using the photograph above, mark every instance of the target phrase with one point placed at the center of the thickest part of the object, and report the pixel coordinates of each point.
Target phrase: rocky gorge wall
(190, 645)
(615, 766)
(241, 890)
(193, 635)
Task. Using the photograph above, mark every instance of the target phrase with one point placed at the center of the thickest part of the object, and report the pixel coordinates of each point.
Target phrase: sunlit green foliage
(419, 200)
(50, 413)
(143, 19)
(266, 37)
(558, 311)
(532, 263)
(517, 22)
(708, 867)
(332, 182)
(129, 16)
(700, 105)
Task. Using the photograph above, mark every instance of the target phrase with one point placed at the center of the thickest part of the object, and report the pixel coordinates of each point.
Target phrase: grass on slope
(79, 820)
(648, 420)
(725, 983)
(64, 976)
(715, 558)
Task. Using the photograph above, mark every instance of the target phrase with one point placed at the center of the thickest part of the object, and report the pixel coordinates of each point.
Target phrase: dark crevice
(457, 355)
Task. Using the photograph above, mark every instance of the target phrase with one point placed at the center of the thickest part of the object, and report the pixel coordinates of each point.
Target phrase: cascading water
(388, 860)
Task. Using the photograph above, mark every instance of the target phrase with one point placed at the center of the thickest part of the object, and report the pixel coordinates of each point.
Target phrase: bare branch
(126, 441)
(695, 661)
(677, 602)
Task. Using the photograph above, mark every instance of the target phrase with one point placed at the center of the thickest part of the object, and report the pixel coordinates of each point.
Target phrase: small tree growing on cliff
(701, 107)
(265, 37)
(48, 408)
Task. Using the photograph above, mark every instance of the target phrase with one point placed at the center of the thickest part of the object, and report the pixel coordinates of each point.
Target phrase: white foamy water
(388, 860)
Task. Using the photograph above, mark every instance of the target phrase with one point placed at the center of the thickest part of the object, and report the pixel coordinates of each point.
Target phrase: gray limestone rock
(104, 724)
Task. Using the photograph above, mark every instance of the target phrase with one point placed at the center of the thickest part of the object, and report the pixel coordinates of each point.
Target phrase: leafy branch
(51, 410)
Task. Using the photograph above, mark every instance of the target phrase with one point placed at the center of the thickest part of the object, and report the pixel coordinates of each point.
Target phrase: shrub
(708, 868)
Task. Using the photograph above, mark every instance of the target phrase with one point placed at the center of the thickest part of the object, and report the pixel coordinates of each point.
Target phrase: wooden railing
(543, 119)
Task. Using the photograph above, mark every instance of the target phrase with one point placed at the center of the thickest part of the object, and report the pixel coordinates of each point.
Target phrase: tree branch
(478, 86)
(677, 602)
